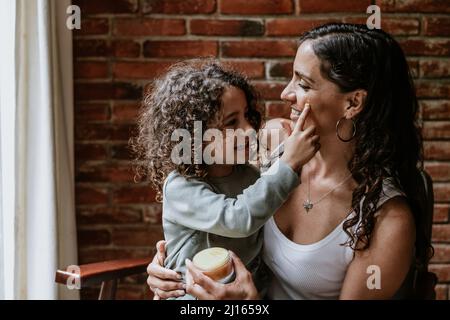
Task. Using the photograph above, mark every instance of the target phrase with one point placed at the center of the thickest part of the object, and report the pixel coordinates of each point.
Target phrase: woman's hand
(204, 288)
(164, 283)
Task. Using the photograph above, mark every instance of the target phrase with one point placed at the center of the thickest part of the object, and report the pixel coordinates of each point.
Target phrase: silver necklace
(309, 204)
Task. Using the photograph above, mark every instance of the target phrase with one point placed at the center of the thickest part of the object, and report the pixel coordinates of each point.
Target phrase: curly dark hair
(190, 91)
(388, 141)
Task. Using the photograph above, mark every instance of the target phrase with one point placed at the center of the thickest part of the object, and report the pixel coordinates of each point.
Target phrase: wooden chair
(105, 273)
(418, 285)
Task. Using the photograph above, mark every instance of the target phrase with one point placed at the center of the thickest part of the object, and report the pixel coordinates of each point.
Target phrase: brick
(314, 6)
(441, 253)
(107, 91)
(126, 49)
(107, 6)
(90, 69)
(240, 28)
(400, 26)
(149, 27)
(91, 112)
(180, 49)
(435, 68)
(153, 213)
(121, 152)
(256, 7)
(179, 6)
(442, 193)
(134, 194)
(95, 237)
(91, 48)
(111, 173)
(281, 69)
(437, 150)
(251, 69)
(436, 129)
(270, 90)
(90, 151)
(90, 26)
(125, 112)
(441, 233)
(432, 89)
(139, 70)
(439, 171)
(425, 47)
(442, 271)
(281, 48)
(394, 26)
(138, 236)
(277, 110)
(413, 65)
(108, 215)
(439, 6)
(294, 27)
(90, 195)
(437, 26)
(107, 132)
(441, 212)
(441, 292)
(91, 255)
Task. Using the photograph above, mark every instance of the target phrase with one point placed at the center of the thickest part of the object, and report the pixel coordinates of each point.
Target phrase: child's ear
(355, 103)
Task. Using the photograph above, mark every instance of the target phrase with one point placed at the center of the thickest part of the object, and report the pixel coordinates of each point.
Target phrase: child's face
(235, 143)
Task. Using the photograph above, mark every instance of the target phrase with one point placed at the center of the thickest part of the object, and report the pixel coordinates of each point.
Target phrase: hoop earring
(337, 130)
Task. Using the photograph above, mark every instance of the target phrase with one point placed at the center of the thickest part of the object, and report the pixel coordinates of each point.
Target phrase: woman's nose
(288, 94)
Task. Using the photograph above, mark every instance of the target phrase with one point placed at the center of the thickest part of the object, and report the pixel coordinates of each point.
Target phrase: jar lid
(211, 258)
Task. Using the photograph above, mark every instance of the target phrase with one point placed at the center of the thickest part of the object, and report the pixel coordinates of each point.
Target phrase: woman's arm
(390, 252)
(165, 283)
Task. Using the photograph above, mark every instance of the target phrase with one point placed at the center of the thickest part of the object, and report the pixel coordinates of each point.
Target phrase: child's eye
(230, 123)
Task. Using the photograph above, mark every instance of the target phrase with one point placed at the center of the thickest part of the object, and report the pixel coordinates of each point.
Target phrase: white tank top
(313, 271)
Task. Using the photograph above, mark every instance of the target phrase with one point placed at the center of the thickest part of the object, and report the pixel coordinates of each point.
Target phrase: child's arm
(194, 204)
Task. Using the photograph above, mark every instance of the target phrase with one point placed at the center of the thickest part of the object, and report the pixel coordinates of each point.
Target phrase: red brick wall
(124, 43)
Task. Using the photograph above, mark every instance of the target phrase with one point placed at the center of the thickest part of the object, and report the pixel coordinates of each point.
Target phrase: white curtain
(38, 232)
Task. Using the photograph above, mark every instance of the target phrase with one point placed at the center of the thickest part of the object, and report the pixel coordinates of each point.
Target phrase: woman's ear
(356, 101)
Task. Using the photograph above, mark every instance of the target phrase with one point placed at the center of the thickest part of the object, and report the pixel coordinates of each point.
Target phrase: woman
(356, 213)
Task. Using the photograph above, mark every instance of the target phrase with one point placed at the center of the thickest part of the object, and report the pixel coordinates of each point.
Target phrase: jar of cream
(215, 263)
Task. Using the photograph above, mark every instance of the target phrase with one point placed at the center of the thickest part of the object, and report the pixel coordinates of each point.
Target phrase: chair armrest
(95, 273)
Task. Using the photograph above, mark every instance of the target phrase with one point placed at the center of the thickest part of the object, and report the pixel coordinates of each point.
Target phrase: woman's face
(328, 104)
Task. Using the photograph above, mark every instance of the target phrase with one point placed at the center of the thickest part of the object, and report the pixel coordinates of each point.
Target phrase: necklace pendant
(307, 205)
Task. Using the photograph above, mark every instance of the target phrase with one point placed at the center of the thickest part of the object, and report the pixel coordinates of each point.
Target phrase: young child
(220, 204)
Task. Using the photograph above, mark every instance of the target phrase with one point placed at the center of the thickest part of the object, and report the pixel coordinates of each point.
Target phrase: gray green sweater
(226, 212)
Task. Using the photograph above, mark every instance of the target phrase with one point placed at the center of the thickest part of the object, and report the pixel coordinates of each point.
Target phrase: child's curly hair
(190, 91)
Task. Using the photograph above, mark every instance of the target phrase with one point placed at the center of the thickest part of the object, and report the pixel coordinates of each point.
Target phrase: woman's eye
(304, 87)
(231, 123)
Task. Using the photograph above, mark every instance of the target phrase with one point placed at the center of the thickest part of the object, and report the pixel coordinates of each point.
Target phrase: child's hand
(280, 126)
(301, 145)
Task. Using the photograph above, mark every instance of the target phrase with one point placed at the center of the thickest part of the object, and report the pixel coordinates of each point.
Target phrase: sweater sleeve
(193, 203)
